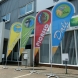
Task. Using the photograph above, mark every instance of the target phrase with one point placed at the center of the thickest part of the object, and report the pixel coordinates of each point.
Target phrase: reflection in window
(26, 9)
(56, 57)
(55, 0)
(77, 44)
(29, 7)
(68, 46)
(32, 31)
(44, 50)
(22, 11)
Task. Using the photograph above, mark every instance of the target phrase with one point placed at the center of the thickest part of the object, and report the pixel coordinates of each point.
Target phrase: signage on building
(74, 21)
(65, 57)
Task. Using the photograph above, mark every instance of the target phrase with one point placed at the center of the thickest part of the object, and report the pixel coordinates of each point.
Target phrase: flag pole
(18, 69)
(5, 67)
(51, 74)
(19, 54)
(33, 71)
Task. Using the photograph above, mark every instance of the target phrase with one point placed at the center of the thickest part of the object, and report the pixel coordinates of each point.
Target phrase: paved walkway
(42, 71)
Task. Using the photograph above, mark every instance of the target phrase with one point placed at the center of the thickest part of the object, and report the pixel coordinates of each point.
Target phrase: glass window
(22, 11)
(77, 44)
(26, 9)
(6, 18)
(44, 50)
(56, 57)
(30, 7)
(32, 32)
(55, 0)
(68, 46)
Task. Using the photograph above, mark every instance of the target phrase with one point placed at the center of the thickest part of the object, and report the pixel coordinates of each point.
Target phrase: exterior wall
(2, 26)
(13, 6)
(43, 4)
(6, 34)
(75, 3)
(69, 45)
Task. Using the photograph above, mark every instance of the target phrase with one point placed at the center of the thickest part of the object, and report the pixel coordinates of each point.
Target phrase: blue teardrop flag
(61, 15)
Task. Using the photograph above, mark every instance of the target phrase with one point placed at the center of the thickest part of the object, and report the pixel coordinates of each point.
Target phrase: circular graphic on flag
(43, 17)
(63, 10)
(29, 22)
(17, 28)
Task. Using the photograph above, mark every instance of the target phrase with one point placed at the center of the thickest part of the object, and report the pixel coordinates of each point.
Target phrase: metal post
(33, 71)
(18, 69)
(5, 67)
(66, 66)
(12, 55)
(51, 74)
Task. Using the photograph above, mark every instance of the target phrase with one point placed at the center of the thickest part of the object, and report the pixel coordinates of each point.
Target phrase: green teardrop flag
(27, 28)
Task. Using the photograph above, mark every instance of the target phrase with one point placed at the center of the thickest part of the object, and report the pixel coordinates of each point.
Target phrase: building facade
(16, 10)
(12, 11)
(68, 45)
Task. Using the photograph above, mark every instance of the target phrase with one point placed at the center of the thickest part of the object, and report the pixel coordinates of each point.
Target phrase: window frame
(20, 13)
(32, 8)
(6, 20)
(26, 13)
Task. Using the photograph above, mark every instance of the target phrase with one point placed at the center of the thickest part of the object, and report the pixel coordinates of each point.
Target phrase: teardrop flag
(61, 15)
(15, 32)
(43, 21)
(27, 28)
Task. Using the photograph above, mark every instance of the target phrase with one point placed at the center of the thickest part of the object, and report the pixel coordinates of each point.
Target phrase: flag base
(51, 75)
(33, 71)
(5, 67)
(18, 69)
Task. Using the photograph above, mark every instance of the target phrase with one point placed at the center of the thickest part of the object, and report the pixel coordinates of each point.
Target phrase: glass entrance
(68, 46)
(44, 50)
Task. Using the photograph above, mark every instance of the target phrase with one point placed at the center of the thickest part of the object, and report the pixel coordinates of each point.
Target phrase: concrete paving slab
(42, 71)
